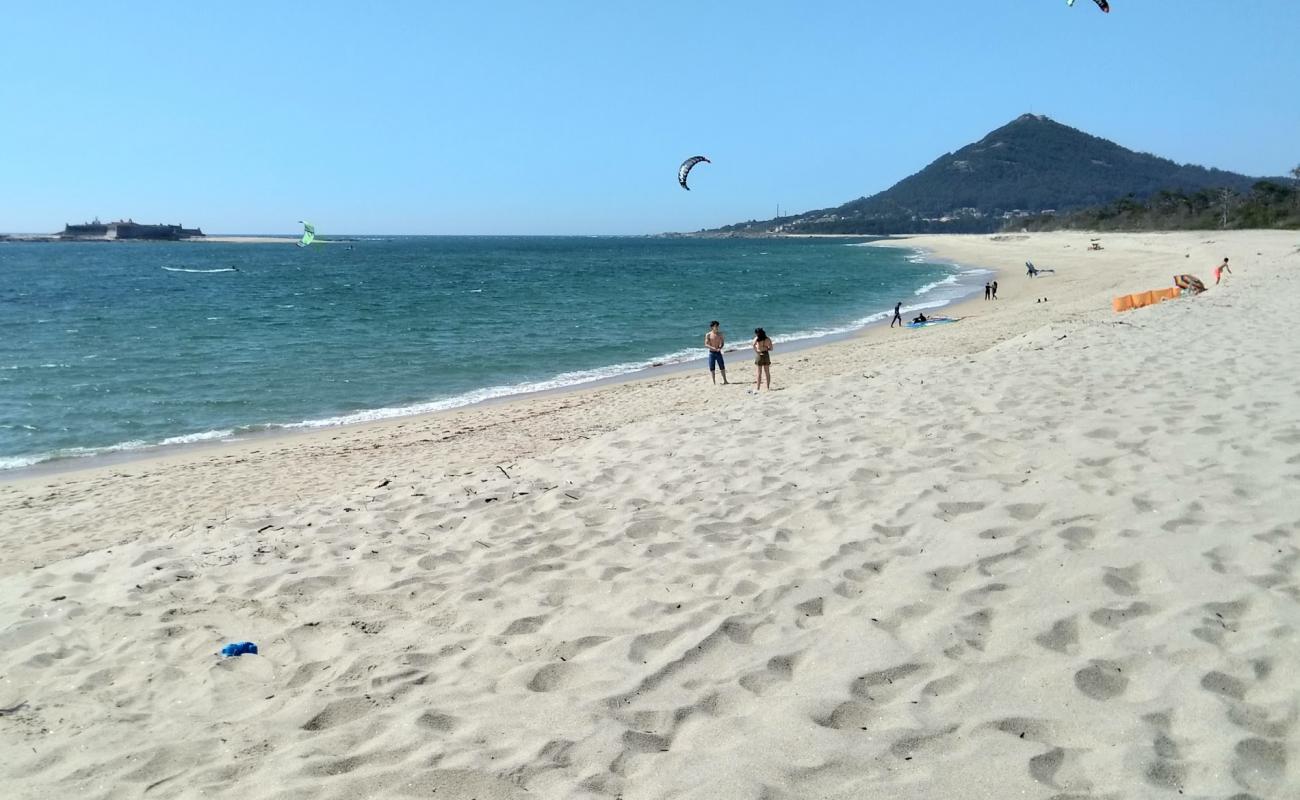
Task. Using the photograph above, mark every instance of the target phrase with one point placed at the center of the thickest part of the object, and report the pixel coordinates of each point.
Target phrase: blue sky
(571, 117)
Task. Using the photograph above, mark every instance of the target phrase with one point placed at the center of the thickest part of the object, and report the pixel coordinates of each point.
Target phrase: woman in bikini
(762, 358)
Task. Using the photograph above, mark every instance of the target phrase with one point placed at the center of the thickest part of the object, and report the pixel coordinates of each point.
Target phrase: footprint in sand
(947, 510)
(1114, 618)
(1224, 685)
(1102, 680)
(339, 712)
(1078, 537)
(550, 677)
(524, 625)
(849, 715)
(942, 578)
(1023, 512)
(1257, 721)
(642, 742)
(922, 741)
(780, 669)
(1259, 764)
(880, 686)
(434, 721)
(808, 612)
(1102, 433)
(1122, 581)
(1166, 771)
(891, 531)
(943, 686)
(1063, 636)
(1029, 729)
(648, 643)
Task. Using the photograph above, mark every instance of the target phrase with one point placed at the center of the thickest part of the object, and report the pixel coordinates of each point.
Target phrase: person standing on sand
(987, 290)
(1219, 270)
(995, 290)
(762, 358)
(898, 317)
(714, 341)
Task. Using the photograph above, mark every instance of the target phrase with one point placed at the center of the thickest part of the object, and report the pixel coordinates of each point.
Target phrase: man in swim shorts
(714, 341)
(898, 317)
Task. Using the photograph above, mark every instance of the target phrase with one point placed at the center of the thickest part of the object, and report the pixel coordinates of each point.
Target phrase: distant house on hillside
(126, 229)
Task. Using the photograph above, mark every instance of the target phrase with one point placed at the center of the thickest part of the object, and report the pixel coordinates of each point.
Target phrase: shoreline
(120, 454)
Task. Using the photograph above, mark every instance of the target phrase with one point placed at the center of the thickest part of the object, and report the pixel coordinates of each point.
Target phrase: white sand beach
(1049, 551)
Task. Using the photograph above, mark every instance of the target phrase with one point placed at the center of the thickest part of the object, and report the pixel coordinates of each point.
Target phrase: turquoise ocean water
(109, 347)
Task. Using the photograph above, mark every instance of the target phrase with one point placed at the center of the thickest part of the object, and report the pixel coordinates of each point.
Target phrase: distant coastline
(43, 238)
(268, 239)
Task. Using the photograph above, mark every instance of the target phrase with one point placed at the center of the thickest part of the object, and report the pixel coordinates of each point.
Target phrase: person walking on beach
(988, 289)
(762, 358)
(1219, 270)
(898, 316)
(995, 290)
(714, 341)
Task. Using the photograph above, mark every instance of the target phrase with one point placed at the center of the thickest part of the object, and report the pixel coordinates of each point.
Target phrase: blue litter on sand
(239, 649)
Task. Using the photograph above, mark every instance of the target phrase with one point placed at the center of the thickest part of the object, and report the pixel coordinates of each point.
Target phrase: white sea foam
(184, 269)
(205, 436)
(562, 381)
(18, 462)
(951, 280)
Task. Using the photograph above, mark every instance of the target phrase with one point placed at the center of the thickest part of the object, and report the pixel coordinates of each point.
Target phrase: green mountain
(1031, 165)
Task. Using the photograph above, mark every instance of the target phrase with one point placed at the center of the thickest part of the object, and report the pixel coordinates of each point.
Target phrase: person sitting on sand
(715, 341)
(1219, 270)
(762, 358)
(919, 318)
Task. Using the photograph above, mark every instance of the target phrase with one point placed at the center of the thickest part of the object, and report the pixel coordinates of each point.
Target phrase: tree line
(1268, 204)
